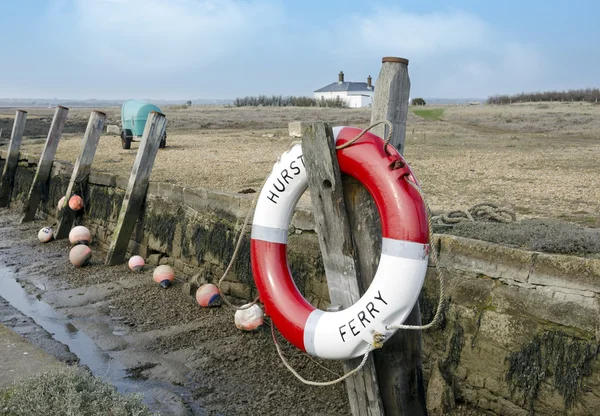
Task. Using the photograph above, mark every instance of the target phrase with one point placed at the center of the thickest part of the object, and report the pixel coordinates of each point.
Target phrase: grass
(429, 114)
(68, 391)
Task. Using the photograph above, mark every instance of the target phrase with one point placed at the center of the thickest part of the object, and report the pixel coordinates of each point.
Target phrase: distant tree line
(281, 101)
(591, 95)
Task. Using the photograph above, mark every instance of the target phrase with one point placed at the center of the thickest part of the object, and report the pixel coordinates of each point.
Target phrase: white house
(356, 94)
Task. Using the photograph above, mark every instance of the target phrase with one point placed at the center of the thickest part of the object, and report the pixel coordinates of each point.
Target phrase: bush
(591, 95)
(548, 236)
(418, 101)
(290, 101)
(68, 391)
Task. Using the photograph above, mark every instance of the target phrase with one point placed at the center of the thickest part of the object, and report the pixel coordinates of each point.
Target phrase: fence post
(136, 188)
(12, 159)
(398, 363)
(45, 164)
(81, 172)
(335, 239)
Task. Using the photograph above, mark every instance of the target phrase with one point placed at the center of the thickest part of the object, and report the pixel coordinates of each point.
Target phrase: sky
(222, 49)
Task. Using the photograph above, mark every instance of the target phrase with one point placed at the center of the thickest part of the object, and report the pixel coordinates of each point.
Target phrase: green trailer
(134, 114)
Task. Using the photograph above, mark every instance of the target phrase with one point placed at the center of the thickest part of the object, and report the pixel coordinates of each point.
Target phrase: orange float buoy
(76, 203)
(164, 275)
(45, 234)
(249, 319)
(208, 295)
(80, 255)
(80, 235)
(136, 263)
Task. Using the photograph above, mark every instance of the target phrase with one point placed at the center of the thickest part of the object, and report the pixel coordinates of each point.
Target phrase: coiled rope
(485, 211)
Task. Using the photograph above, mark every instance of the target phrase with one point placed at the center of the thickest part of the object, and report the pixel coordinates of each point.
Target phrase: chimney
(369, 80)
(341, 76)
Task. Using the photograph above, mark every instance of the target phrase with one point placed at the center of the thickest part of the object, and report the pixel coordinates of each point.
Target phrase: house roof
(346, 86)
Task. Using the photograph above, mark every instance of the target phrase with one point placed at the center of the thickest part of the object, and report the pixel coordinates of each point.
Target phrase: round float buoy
(208, 295)
(80, 255)
(164, 275)
(136, 263)
(249, 319)
(80, 235)
(76, 203)
(61, 202)
(405, 249)
(45, 234)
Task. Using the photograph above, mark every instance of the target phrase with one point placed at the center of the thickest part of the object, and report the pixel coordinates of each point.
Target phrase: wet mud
(185, 359)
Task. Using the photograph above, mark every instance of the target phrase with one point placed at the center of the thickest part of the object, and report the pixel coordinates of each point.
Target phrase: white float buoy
(208, 295)
(61, 202)
(249, 319)
(164, 275)
(80, 255)
(80, 235)
(136, 263)
(45, 234)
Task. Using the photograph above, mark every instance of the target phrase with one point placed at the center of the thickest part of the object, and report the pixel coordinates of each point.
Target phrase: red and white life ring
(402, 266)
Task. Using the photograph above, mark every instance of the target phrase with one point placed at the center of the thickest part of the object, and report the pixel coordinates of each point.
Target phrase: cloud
(161, 36)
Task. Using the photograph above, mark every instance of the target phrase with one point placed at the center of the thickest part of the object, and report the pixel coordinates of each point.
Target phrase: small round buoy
(249, 319)
(80, 255)
(164, 275)
(61, 202)
(45, 234)
(76, 203)
(208, 295)
(80, 235)
(136, 263)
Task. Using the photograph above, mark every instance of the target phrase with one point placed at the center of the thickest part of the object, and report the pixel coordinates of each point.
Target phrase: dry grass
(540, 158)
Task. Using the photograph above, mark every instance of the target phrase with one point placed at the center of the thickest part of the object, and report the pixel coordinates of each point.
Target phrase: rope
(485, 211)
(362, 133)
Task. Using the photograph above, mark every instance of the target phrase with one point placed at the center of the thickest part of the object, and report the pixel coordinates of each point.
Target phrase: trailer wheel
(125, 141)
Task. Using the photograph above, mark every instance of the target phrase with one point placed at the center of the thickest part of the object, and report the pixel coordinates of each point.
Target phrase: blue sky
(188, 49)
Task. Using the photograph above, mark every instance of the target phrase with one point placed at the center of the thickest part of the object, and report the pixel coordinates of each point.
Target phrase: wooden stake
(335, 239)
(398, 363)
(45, 164)
(136, 189)
(12, 159)
(81, 172)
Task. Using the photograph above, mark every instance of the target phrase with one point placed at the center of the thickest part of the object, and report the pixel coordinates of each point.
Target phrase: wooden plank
(81, 172)
(335, 239)
(398, 363)
(136, 188)
(42, 175)
(12, 158)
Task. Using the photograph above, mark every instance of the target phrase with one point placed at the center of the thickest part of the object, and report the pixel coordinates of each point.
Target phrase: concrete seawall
(521, 329)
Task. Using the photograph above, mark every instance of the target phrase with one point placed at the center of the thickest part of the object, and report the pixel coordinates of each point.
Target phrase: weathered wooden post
(136, 188)
(12, 159)
(335, 239)
(45, 164)
(81, 172)
(398, 363)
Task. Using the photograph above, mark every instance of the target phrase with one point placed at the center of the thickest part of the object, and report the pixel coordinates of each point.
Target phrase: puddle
(65, 331)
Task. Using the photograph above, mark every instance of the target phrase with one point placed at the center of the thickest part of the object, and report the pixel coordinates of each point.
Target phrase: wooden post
(12, 159)
(335, 239)
(45, 164)
(81, 172)
(136, 189)
(398, 363)
(391, 99)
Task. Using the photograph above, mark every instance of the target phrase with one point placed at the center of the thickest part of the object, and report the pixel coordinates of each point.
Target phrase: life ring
(402, 266)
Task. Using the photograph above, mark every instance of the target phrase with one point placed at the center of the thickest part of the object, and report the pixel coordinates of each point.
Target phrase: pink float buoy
(61, 202)
(248, 319)
(80, 255)
(45, 234)
(136, 263)
(164, 275)
(76, 203)
(208, 295)
(80, 235)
